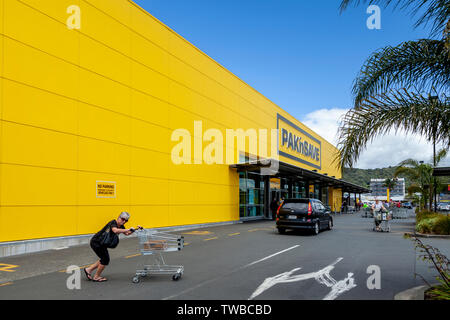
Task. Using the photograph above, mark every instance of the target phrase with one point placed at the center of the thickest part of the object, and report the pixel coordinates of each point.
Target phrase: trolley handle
(138, 228)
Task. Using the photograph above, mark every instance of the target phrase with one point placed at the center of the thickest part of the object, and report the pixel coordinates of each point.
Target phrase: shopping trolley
(151, 245)
(384, 219)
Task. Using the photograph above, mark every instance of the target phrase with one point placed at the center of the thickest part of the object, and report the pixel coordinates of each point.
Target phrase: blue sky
(302, 55)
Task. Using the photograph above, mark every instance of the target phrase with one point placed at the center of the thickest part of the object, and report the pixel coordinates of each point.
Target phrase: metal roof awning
(441, 172)
(291, 171)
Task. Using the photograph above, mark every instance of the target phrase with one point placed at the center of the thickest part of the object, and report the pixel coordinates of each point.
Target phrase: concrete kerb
(416, 293)
(14, 248)
(423, 235)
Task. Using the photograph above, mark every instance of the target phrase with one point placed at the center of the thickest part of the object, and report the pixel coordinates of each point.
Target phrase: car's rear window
(296, 206)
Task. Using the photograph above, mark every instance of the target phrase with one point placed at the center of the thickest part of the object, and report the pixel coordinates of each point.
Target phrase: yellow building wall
(335, 199)
(100, 104)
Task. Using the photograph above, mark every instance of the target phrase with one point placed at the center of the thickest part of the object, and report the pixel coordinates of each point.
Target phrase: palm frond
(423, 64)
(396, 110)
(441, 155)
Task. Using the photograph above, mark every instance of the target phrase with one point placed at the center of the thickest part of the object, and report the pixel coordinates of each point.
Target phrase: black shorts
(101, 252)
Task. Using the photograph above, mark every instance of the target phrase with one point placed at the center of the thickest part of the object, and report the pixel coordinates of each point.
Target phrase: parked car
(407, 205)
(443, 206)
(309, 214)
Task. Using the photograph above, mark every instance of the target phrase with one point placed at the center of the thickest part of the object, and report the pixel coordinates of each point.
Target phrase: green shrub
(431, 222)
(425, 214)
(426, 225)
(438, 293)
(442, 225)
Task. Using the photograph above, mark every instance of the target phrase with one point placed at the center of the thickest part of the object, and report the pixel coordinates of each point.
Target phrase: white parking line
(271, 256)
(227, 274)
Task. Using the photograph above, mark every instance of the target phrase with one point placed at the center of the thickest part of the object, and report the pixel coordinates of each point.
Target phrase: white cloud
(384, 151)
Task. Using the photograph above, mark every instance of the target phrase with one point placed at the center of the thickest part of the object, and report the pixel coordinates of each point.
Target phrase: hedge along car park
(301, 214)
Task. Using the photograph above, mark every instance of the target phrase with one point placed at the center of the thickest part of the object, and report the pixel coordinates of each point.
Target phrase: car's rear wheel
(330, 224)
(316, 229)
(281, 230)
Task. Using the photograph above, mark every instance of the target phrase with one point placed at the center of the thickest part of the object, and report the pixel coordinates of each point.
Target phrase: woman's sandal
(88, 275)
(99, 280)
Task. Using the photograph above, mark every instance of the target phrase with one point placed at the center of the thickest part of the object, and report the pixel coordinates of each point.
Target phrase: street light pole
(434, 100)
(421, 184)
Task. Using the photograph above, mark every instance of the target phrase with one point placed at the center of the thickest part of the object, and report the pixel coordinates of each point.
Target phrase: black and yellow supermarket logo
(297, 144)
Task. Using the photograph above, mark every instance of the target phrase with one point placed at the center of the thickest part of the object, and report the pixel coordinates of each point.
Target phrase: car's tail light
(278, 211)
(309, 209)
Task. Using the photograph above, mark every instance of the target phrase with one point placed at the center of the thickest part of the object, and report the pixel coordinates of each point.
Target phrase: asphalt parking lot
(240, 262)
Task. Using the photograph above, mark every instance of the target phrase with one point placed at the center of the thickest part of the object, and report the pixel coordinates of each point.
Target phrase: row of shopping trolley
(152, 245)
(396, 213)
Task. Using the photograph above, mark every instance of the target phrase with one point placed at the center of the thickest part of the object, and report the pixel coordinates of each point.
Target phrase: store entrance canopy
(441, 172)
(286, 170)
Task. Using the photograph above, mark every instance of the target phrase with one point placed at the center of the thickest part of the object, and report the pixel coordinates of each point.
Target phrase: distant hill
(362, 177)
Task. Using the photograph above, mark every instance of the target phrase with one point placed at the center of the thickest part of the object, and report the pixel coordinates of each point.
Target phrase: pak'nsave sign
(297, 144)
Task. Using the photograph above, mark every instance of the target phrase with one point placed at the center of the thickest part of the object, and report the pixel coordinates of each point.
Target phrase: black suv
(303, 214)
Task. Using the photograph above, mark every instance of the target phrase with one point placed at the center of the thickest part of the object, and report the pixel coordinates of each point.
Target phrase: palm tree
(403, 87)
(421, 176)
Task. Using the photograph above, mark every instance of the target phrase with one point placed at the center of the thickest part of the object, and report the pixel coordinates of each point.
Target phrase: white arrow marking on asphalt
(322, 276)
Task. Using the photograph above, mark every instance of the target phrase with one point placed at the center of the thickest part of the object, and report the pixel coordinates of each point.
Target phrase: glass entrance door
(251, 195)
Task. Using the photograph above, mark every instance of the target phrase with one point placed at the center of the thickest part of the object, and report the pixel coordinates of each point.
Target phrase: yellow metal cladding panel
(180, 96)
(149, 136)
(108, 94)
(113, 126)
(117, 9)
(39, 108)
(36, 68)
(150, 216)
(149, 109)
(147, 163)
(54, 9)
(97, 25)
(149, 82)
(148, 191)
(190, 193)
(181, 119)
(184, 73)
(148, 27)
(22, 144)
(149, 54)
(202, 214)
(48, 35)
(37, 186)
(218, 174)
(183, 193)
(101, 156)
(102, 60)
(59, 221)
(1, 15)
